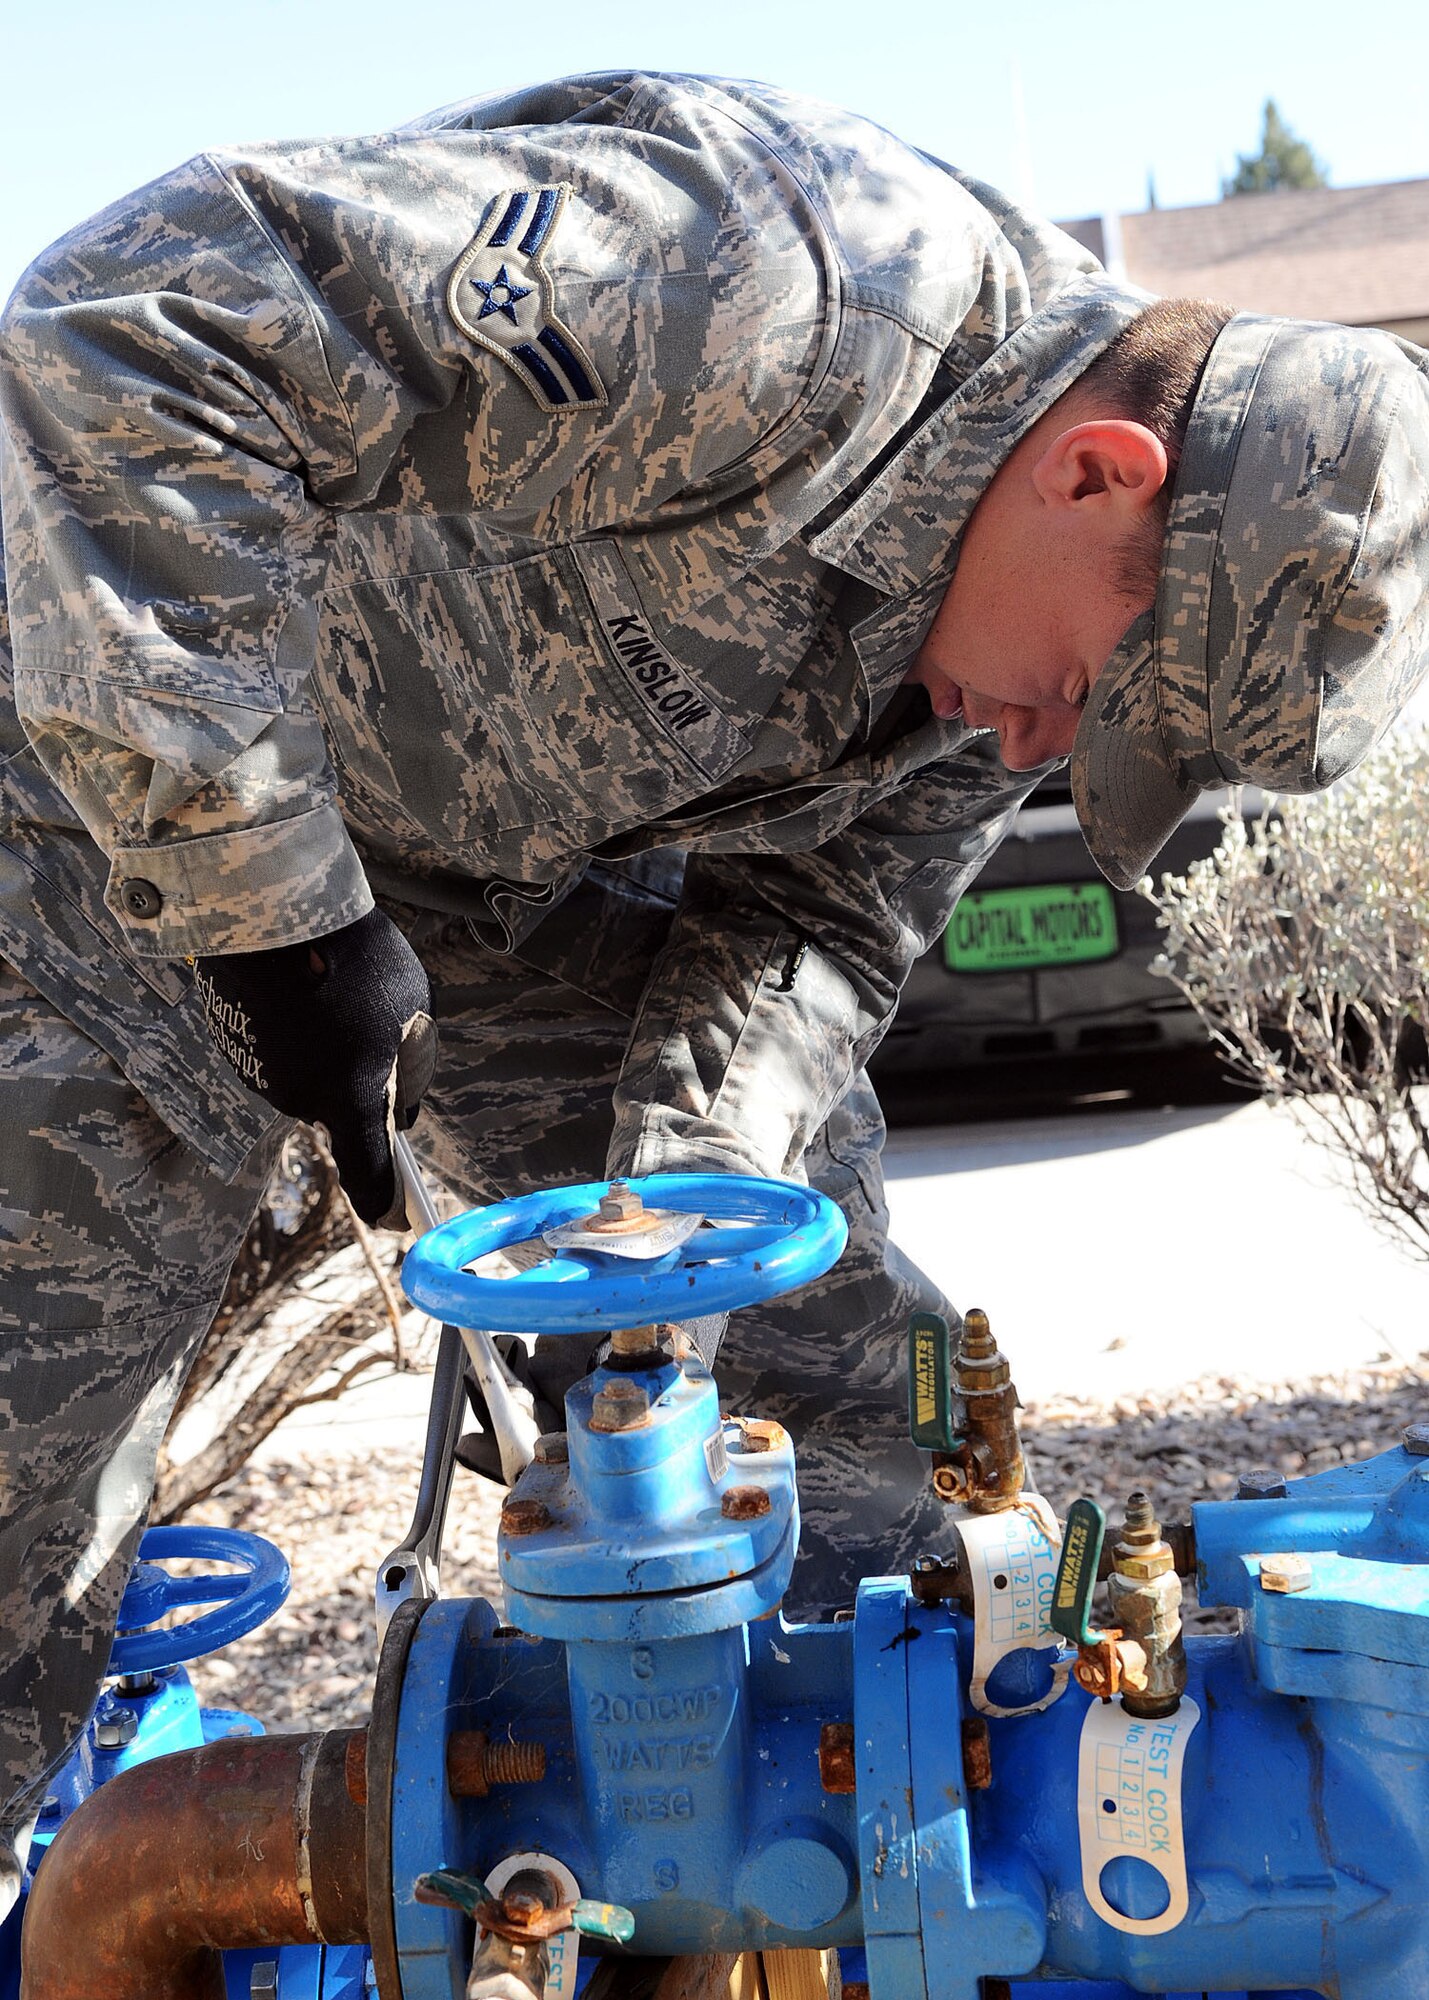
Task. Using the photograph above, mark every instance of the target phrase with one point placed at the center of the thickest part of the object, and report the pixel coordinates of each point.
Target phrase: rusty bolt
(474, 1764)
(977, 1753)
(1090, 1673)
(1097, 1668)
(551, 1448)
(620, 1406)
(949, 1482)
(1416, 1440)
(1263, 1483)
(524, 1517)
(745, 1503)
(758, 1434)
(981, 1366)
(836, 1758)
(1284, 1574)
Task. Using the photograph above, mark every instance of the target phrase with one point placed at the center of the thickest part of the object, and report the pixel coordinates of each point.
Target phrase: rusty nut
(524, 1517)
(837, 1764)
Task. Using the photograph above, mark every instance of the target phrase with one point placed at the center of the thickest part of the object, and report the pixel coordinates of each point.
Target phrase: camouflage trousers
(118, 1241)
(116, 1244)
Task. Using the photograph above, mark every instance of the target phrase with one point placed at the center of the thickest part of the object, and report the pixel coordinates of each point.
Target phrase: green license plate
(1009, 930)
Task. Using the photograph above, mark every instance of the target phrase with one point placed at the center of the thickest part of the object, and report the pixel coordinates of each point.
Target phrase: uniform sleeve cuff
(649, 1149)
(247, 891)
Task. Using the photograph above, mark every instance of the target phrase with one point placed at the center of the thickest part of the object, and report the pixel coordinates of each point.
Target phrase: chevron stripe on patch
(501, 296)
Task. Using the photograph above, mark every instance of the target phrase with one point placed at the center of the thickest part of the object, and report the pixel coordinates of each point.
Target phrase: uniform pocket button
(141, 899)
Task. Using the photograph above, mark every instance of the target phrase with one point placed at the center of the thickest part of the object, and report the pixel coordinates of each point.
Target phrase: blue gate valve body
(683, 1725)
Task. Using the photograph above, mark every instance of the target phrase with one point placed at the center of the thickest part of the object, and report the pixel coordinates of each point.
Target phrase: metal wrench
(412, 1569)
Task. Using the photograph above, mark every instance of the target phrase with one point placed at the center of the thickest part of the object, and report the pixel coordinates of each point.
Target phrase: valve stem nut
(621, 1405)
(620, 1204)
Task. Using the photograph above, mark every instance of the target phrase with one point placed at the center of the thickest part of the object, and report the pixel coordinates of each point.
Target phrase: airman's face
(1039, 603)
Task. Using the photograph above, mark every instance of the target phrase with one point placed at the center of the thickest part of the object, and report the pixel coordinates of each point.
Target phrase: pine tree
(1282, 162)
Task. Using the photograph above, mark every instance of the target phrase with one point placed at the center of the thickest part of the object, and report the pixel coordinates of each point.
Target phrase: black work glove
(338, 1032)
(478, 1450)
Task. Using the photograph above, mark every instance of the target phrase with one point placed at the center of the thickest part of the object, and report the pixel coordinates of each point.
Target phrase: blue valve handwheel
(241, 1601)
(798, 1234)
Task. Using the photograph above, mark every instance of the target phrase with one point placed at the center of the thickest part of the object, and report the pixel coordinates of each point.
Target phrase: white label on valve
(716, 1456)
(564, 1948)
(1012, 1561)
(1129, 1803)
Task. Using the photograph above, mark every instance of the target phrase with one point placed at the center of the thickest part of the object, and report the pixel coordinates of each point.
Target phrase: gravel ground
(312, 1666)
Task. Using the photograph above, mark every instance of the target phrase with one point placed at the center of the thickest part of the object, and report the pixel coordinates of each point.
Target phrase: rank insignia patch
(501, 295)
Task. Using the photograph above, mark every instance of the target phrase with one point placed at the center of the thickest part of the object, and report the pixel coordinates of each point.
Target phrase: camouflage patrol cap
(1292, 617)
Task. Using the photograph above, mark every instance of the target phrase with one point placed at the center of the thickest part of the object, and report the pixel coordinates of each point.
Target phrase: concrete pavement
(1121, 1251)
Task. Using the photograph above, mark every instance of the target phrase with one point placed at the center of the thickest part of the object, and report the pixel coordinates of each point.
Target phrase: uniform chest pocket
(461, 704)
(614, 725)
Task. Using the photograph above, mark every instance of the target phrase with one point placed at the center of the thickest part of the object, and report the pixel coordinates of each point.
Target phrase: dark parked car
(1045, 958)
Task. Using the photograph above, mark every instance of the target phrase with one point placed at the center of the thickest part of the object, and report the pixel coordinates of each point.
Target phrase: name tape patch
(656, 680)
(501, 295)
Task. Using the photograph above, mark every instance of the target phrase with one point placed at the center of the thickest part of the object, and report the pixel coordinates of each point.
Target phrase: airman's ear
(1110, 463)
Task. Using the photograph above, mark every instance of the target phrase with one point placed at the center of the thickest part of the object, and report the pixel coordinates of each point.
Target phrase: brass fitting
(1144, 1593)
(1141, 1553)
(994, 1474)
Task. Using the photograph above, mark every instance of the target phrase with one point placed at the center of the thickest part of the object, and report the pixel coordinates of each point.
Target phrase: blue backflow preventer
(683, 1720)
(929, 1784)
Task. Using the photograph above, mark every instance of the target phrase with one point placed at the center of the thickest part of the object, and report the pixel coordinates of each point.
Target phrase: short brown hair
(1151, 373)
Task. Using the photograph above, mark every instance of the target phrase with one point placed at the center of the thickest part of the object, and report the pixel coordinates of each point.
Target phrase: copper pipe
(250, 1841)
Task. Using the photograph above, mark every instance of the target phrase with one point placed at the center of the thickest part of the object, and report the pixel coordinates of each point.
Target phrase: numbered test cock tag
(1129, 1803)
(1012, 1560)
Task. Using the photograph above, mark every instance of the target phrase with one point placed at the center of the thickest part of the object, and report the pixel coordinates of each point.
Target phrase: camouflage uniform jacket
(559, 476)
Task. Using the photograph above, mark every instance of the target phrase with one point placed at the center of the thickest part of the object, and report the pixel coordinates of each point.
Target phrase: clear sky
(1074, 104)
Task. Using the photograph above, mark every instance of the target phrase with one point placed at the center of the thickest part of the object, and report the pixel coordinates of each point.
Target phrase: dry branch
(1303, 944)
(251, 1371)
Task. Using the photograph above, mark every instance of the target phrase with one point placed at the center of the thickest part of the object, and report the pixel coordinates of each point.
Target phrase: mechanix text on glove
(337, 1031)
